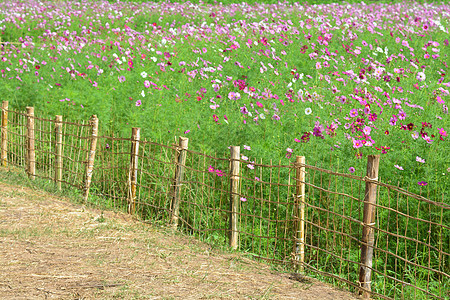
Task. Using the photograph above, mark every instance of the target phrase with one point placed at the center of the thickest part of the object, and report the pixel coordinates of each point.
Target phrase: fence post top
(300, 159)
(5, 104)
(136, 133)
(183, 142)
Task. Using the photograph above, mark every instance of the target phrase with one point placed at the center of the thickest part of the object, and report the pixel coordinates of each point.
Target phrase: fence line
(375, 239)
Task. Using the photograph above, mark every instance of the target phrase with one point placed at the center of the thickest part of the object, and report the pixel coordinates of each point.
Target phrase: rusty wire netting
(168, 183)
(111, 171)
(16, 142)
(411, 248)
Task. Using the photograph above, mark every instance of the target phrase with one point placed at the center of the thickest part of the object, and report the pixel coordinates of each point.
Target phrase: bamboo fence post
(31, 155)
(234, 196)
(368, 233)
(4, 152)
(132, 177)
(299, 210)
(58, 154)
(91, 157)
(179, 174)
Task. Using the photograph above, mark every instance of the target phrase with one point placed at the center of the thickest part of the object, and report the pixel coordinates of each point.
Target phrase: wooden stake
(135, 137)
(299, 211)
(234, 196)
(368, 233)
(179, 174)
(58, 156)
(31, 155)
(91, 157)
(4, 152)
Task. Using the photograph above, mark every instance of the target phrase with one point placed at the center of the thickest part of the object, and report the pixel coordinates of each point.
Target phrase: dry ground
(50, 248)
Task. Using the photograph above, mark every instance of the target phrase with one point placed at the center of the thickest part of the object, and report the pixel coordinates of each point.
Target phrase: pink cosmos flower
(138, 103)
(398, 167)
(442, 131)
(357, 144)
(421, 160)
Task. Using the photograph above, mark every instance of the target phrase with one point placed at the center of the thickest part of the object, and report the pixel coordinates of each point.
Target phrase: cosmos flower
(421, 160)
(234, 96)
(421, 76)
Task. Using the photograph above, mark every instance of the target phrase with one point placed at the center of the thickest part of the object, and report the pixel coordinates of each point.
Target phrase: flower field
(324, 81)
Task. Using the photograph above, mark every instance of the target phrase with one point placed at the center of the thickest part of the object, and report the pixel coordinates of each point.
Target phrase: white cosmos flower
(421, 76)
(308, 111)
(262, 116)
(144, 74)
(143, 94)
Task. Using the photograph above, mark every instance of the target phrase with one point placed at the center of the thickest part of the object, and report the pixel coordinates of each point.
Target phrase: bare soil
(53, 249)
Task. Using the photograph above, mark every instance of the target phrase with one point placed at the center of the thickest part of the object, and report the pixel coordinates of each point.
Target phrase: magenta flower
(353, 113)
(357, 144)
(351, 170)
(138, 103)
(422, 183)
(211, 169)
(442, 131)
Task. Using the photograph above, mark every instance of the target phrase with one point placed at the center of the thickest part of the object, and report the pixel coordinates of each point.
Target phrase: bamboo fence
(373, 238)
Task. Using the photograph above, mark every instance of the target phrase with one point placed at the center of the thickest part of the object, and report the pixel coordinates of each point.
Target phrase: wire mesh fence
(356, 232)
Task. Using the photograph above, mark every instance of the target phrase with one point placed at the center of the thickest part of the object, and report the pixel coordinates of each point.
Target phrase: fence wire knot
(366, 178)
(364, 282)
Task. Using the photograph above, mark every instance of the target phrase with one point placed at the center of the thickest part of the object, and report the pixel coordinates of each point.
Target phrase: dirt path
(52, 249)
